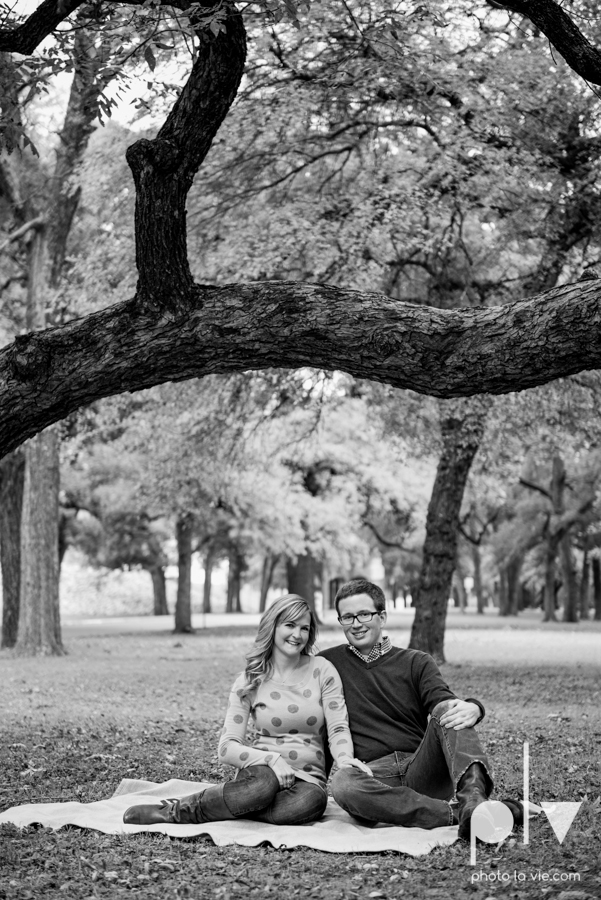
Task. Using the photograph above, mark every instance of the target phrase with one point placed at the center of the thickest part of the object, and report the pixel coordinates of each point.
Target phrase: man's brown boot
(472, 790)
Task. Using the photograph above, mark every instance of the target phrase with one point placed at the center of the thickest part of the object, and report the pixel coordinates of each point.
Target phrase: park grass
(150, 706)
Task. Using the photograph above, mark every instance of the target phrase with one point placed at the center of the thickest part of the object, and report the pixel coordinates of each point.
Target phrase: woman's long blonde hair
(259, 666)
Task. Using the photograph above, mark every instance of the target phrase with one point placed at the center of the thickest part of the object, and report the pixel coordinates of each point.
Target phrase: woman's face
(290, 637)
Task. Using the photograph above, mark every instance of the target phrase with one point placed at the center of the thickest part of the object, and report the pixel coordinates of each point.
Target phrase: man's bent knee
(344, 784)
(441, 708)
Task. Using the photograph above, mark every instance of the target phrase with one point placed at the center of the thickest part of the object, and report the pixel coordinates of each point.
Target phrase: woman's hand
(284, 773)
(357, 764)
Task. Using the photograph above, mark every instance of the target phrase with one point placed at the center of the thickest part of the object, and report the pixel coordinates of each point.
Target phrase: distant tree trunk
(459, 590)
(584, 585)
(39, 619)
(335, 585)
(558, 480)
(511, 601)
(206, 589)
(301, 577)
(477, 562)
(570, 609)
(462, 427)
(12, 478)
(503, 592)
(596, 566)
(270, 561)
(63, 540)
(550, 571)
(183, 603)
(234, 579)
(159, 591)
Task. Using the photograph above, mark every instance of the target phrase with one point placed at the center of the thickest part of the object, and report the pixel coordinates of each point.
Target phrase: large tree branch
(562, 32)
(164, 168)
(24, 38)
(47, 374)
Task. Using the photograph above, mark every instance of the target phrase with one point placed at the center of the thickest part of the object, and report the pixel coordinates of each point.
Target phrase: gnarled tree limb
(562, 32)
(47, 374)
(24, 38)
(164, 168)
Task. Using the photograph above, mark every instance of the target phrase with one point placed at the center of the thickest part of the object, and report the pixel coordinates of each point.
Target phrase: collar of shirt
(376, 651)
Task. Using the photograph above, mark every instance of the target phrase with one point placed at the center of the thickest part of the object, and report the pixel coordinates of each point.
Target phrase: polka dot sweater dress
(288, 720)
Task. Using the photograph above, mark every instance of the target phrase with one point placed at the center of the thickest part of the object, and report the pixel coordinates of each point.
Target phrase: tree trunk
(39, 620)
(570, 609)
(584, 586)
(503, 592)
(270, 561)
(596, 566)
(234, 579)
(159, 591)
(558, 480)
(12, 478)
(462, 427)
(550, 567)
(301, 578)
(459, 589)
(39, 612)
(206, 588)
(477, 562)
(40, 566)
(513, 570)
(183, 603)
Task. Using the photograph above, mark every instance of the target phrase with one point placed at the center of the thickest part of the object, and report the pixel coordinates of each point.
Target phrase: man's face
(362, 635)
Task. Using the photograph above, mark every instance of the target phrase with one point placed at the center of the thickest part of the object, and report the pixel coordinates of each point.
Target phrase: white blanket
(336, 832)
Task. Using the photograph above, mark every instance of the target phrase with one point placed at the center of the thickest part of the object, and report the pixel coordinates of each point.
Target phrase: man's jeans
(413, 789)
(255, 794)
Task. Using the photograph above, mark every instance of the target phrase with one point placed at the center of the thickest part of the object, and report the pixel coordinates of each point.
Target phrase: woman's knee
(302, 807)
(257, 784)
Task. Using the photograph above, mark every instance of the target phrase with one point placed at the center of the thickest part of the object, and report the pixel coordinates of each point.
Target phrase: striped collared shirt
(376, 651)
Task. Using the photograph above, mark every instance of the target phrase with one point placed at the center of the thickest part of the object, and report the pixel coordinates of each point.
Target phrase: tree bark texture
(159, 591)
(47, 374)
(183, 603)
(462, 427)
(39, 621)
(12, 479)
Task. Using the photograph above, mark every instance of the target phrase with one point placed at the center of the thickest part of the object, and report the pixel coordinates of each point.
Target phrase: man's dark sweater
(389, 699)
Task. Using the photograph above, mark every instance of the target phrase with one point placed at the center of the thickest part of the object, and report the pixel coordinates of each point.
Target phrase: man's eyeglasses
(361, 617)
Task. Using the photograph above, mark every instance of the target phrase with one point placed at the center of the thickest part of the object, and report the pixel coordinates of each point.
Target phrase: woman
(295, 702)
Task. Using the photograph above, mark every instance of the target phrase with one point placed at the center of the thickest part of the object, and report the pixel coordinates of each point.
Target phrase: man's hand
(346, 763)
(284, 773)
(461, 714)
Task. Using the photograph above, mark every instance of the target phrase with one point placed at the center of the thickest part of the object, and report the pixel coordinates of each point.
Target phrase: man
(426, 772)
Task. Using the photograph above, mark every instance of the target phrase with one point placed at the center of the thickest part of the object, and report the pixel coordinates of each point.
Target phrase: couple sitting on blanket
(411, 756)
